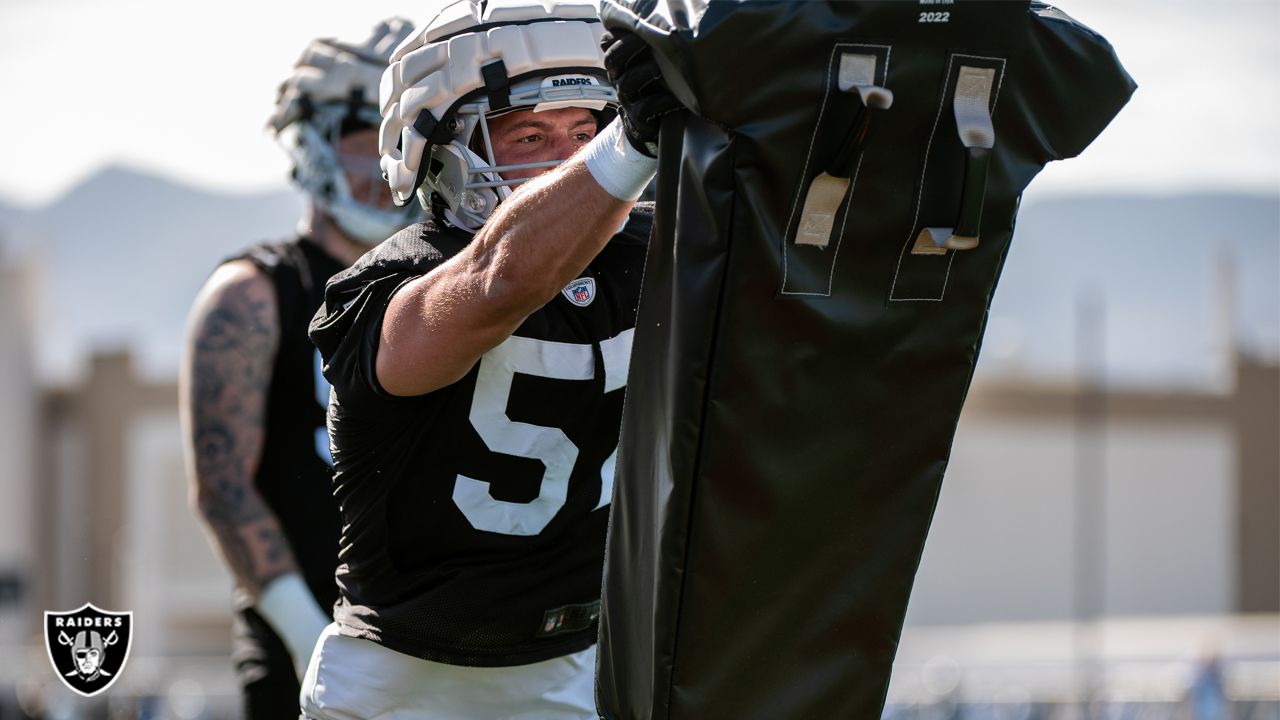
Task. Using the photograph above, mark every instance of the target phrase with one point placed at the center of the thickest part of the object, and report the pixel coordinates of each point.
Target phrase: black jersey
(474, 516)
(294, 474)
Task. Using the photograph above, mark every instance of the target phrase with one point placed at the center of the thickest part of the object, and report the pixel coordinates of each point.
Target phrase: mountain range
(118, 259)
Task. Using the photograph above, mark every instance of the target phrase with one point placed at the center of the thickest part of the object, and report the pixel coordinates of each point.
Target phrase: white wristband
(621, 170)
(287, 604)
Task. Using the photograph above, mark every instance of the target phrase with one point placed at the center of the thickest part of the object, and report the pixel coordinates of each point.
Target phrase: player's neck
(324, 232)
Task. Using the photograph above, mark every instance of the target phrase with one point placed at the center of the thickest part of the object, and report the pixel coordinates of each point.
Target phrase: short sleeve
(347, 327)
(1081, 84)
(346, 330)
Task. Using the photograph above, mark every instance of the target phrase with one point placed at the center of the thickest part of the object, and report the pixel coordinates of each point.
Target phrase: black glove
(643, 97)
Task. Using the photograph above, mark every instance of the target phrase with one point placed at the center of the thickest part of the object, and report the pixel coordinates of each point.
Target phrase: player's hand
(643, 97)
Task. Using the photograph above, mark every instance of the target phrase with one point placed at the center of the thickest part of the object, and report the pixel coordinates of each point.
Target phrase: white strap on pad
(972, 106)
(822, 200)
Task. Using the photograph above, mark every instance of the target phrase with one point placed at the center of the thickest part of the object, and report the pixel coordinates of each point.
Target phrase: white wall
(178, 588)
(1002, 543)
(1171, 521)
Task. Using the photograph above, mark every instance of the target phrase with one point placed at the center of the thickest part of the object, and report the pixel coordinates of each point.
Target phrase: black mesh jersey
(474, 516)
(294, 474)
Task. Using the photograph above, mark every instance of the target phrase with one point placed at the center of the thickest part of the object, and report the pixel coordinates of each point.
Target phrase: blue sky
(183, 90)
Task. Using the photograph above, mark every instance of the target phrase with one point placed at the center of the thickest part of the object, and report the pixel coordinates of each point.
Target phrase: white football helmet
(334, 88)
(472, 60)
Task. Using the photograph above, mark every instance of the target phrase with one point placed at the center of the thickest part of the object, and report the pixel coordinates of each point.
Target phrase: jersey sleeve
(347, 327)
(346, 330)
(1082, 84)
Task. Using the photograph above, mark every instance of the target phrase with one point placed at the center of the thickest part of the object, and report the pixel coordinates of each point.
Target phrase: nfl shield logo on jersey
(580, 292)
(88, 647)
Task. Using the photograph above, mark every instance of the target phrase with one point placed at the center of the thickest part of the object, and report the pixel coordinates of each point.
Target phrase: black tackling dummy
(833, 215)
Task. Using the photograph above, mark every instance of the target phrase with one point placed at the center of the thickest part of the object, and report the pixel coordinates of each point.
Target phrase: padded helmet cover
(472, 58)
(335, 84)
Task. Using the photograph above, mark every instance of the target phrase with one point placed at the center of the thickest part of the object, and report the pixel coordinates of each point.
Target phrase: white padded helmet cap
(333, 83)
(332, 71)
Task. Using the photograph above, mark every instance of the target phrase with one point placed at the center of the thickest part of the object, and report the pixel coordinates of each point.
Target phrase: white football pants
(355, 679)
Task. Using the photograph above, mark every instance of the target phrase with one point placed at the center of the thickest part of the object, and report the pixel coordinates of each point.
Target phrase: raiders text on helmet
(477, 58)
(335, 85)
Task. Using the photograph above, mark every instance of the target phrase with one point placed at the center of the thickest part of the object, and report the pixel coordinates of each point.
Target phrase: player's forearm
(543, 237)
(248, 536)
(223, 389)
(546, 234)
(538, 241)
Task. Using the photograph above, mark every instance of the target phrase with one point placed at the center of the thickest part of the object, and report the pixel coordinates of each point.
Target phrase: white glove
(294, 614)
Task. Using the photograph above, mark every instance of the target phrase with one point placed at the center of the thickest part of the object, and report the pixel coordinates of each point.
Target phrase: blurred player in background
(252, 396)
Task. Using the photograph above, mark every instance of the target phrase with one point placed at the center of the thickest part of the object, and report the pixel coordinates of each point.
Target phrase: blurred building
(112, 509)
(19, 413)
(1151, 516)
(1065, 502)
(1101, 547)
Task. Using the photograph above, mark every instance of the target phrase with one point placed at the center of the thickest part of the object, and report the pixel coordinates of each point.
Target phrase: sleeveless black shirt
(294, 474)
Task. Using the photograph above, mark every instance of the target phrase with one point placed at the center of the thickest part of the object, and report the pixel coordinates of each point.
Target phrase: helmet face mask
(470, 63)
(324, 173)
(464, 172)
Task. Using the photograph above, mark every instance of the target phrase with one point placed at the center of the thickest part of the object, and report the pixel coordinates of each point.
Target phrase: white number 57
(558, 454)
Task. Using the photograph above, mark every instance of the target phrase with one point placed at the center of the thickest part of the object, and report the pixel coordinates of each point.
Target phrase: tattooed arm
(232, 340)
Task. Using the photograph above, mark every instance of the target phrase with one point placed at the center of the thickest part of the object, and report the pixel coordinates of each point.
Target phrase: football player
(252, 397)
(478, 363)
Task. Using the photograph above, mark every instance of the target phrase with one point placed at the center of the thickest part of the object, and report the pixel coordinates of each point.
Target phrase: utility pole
(1090, 498)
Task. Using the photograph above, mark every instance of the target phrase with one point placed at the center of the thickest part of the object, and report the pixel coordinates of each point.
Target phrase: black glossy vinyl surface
(792, 408)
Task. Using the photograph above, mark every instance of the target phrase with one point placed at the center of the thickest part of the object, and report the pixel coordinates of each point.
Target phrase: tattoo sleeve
(231, 347)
